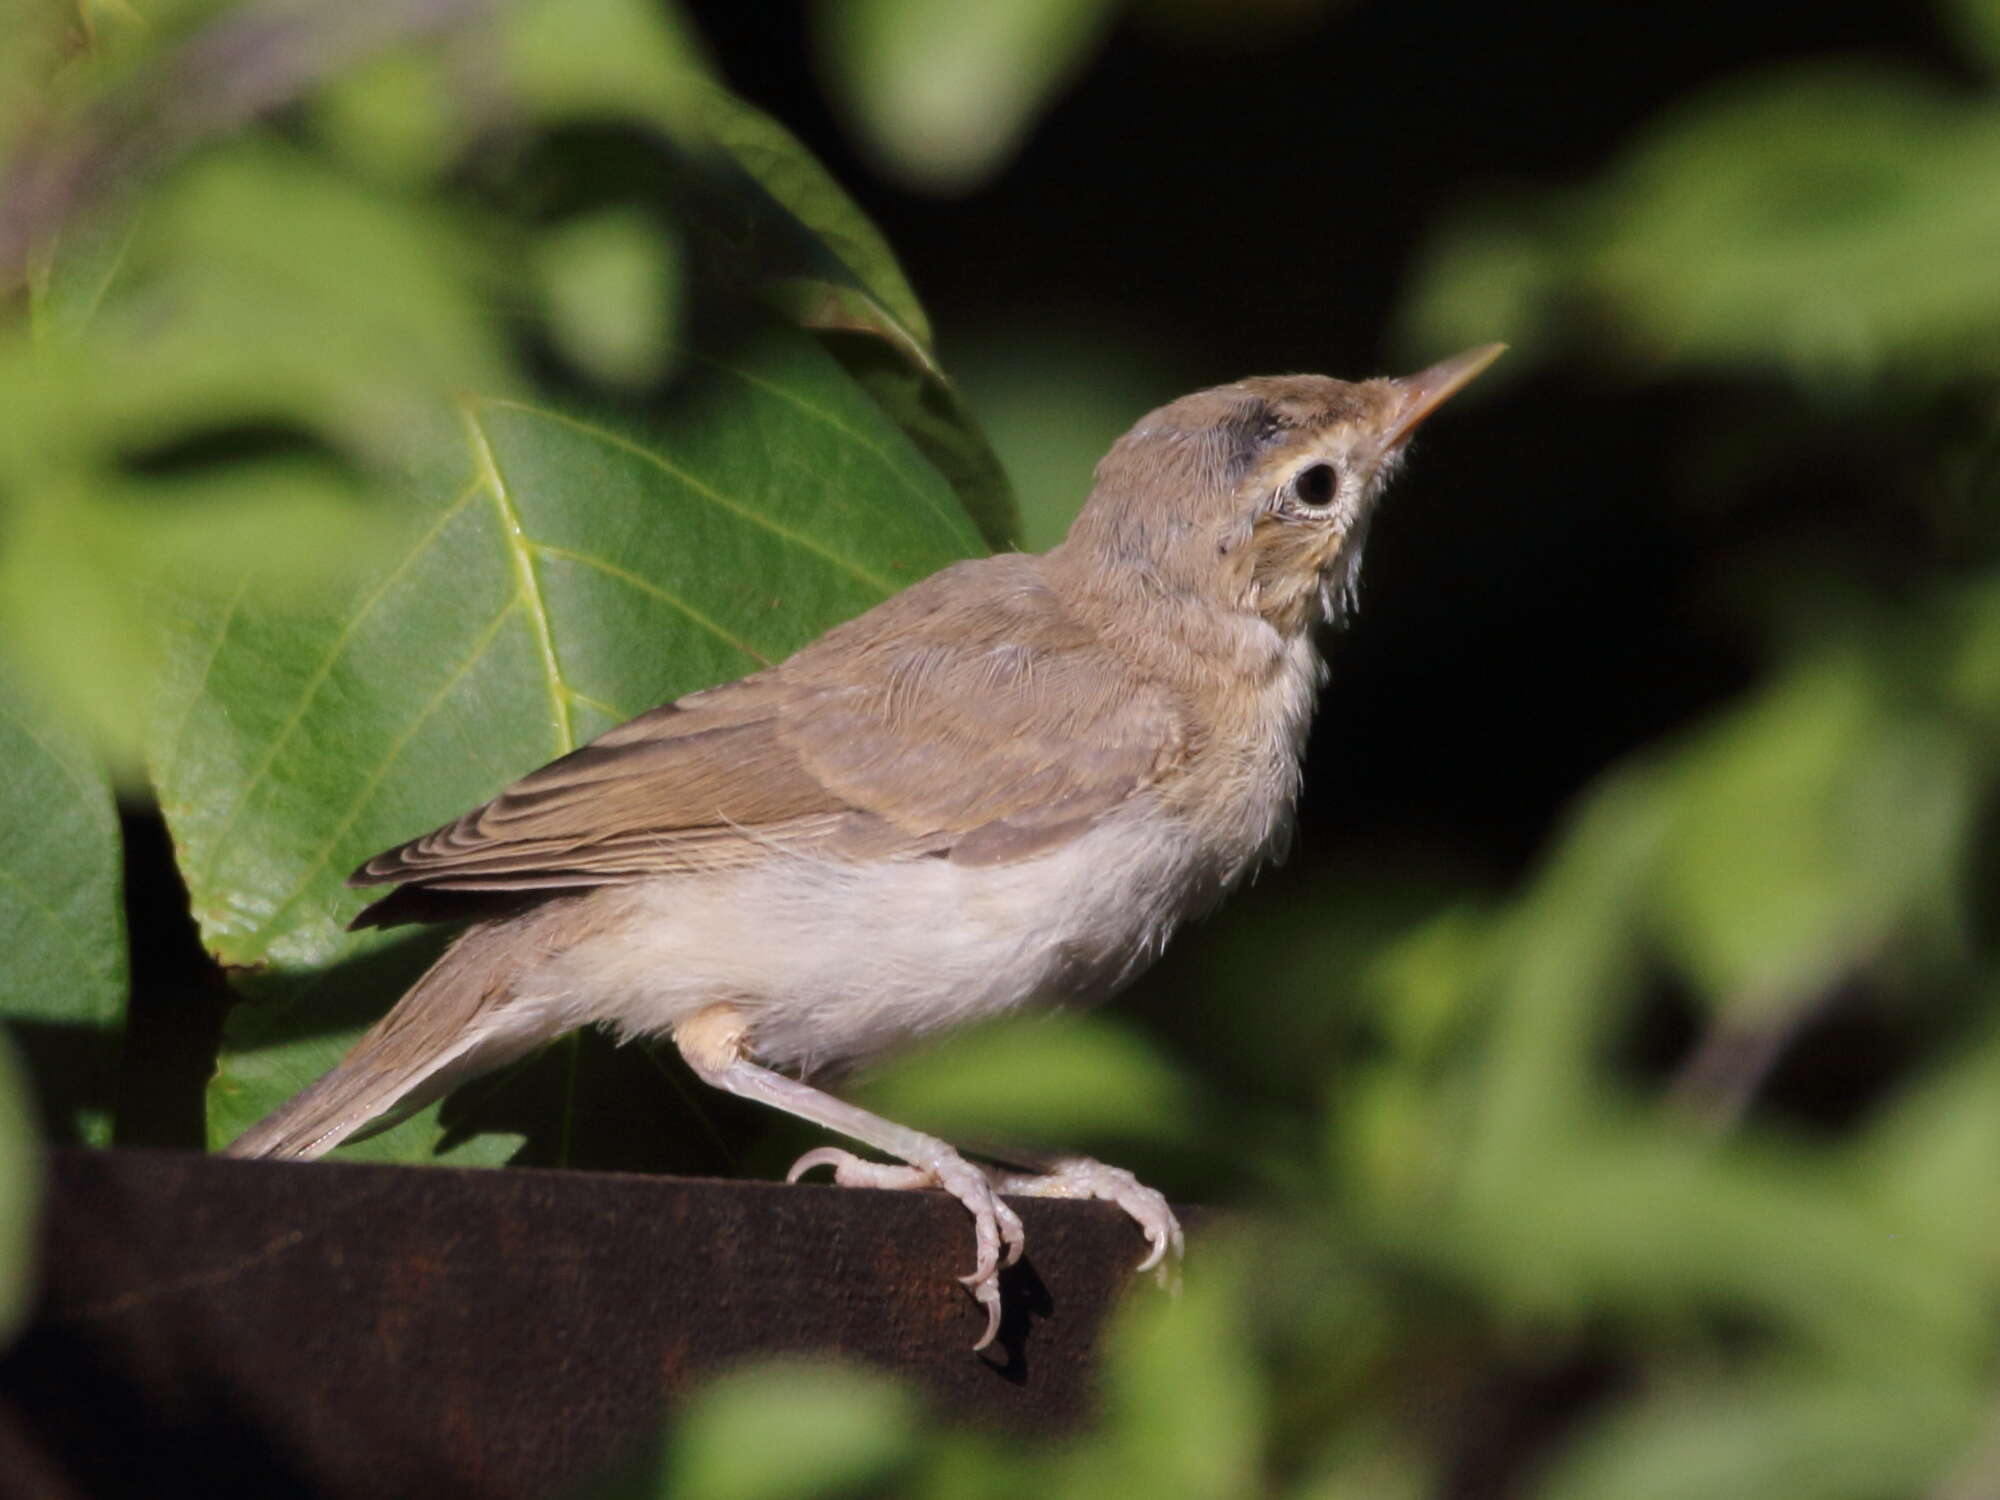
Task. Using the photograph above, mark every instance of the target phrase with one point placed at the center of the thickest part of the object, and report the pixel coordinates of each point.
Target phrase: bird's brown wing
(970, 716)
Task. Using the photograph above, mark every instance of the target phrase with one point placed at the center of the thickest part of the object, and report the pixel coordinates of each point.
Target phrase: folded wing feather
(969, 716)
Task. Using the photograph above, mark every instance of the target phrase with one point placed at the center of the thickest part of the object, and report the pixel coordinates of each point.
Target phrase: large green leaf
(62, 916)
(849, 250)
(775, 222)
(587, 59)
(577, 576)
(801, 244)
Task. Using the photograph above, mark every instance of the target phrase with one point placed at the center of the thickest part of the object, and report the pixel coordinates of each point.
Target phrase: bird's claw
(995, 1225)
(1081, 1177)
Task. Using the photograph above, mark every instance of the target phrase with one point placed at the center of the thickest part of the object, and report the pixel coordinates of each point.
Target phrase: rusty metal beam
(327, 1329)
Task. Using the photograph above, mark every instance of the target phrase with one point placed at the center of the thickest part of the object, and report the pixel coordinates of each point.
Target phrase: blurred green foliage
(382, 426)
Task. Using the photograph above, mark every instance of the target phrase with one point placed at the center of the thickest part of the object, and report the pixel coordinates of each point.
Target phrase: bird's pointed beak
(1427, 390)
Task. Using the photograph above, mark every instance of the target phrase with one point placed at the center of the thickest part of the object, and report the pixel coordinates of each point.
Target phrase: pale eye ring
(1316, 486)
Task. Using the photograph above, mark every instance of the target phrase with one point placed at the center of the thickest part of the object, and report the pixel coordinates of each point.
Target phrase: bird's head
(1256, 495)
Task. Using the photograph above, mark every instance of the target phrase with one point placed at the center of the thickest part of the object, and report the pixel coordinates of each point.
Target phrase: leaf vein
(389, 757)
(315, 680)
(707, 492)
(952, 516)
(169, 746)
(646, 586)
(520, 550)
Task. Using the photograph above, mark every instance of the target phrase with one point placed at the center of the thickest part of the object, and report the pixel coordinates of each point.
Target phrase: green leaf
(944, 94)
(611, 282)
(789, 1430)
(578, 575)
(797, 241)
(284, 289)
(1636, 1216)
(775, 222)
(1807, 829)
(919, 399)
(857, 254)
(583, 59)
(1928, 1159)
(1825, 1439)
(84, 570)
(1628, 1210)
(1040, 1080)
(1185, 1400)
(1564, 968)
(62, 916)
(255, 287)
(72, 274)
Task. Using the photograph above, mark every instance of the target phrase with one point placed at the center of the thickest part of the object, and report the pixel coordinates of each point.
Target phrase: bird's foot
(994, 1225)
(1081, 1177)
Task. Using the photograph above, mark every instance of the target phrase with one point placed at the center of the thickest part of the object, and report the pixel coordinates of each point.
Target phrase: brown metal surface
(328, 1329)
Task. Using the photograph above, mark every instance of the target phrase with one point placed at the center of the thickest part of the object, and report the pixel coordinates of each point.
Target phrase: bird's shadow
(1024, 1301)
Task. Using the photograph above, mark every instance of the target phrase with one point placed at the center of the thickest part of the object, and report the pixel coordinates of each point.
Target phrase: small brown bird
(1005, 786)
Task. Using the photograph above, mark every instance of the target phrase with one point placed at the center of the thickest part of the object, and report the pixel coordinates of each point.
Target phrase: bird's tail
(439, 1034)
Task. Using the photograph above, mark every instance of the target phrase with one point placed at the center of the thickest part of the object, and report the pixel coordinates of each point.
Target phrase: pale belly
(836, 962)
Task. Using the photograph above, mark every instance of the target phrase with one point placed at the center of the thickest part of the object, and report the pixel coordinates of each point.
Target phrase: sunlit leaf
(1566, 965)
(1184, 1399)
(595, 59)
(1626, 1209)
(284, 288)
(1806, 828)
(1046, 1081)
(789, 1430)
(393, 116)
(82, 577)
(944, 94)
(74, 271)
(1631, 1218)
(1928, 1158)
(611, 281)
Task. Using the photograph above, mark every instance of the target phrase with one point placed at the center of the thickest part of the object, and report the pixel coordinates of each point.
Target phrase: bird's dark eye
(1316, 486)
